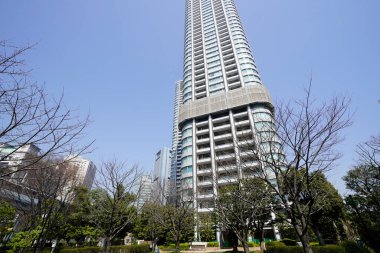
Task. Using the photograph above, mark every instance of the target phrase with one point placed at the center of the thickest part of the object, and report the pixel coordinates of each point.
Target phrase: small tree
(7, 216)
(114, 198)
(293, 148)
(328, 215)
(243, 208)
(78, 222)
(207, 228)
(364, 181)
(176, 218)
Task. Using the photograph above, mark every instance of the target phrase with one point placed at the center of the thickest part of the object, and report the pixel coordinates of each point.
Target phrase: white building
(224, 102)
(144, 193)
(161, 175)
(84, 170)
(14, 159)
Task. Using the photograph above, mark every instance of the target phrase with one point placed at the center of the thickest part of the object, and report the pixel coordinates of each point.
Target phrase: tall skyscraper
(161, 175)
(175, 166)
(224, 103)
(144, 191)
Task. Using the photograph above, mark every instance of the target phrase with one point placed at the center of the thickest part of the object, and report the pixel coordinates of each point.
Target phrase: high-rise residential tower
(224, 103)
(175, 166)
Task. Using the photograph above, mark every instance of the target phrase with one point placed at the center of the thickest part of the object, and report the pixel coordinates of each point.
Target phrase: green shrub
(314, 244)
(289, 242)
(353, 247)
(328, 249)
(213, 244)
(298, 249)
(250, 244)
(81, 250)
(283, 249)
(171, 247)
(276, 244)
(253, 244)
(143, 248)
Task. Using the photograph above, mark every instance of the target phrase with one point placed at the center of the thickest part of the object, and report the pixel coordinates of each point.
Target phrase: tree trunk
(303, 236)
(321, 241)
(177, 246)
(107, 244)
(262, 240)
(245, 246)
(306, 243)
(336, 232)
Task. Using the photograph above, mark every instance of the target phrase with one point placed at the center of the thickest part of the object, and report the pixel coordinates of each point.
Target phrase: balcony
(204, 160)
(232, 72)
(202, 123)
(224, 147)
(200, 94)
(242, 123)
(221, 119)
(203, 131)
(223, 127)
(202, 141)
(227, 180)
(234, 85)
(200, 70)
(205, 210)
(226, 157)
(204, 183)
(205, 196)
(203, 151)
(223, 136)
(248, 153)
(240, 115)
(230, 61)
(204, 172)
(243, 132)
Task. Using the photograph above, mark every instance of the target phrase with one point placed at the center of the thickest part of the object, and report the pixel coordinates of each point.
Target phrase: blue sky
(118, 60)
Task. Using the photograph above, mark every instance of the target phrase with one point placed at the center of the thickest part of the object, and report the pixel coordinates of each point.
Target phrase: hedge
(276, 244)
(353, 247)
(171, 247)
(213, 244)
(289, 242)
(143, 248)
(344, 247)
(298, 249)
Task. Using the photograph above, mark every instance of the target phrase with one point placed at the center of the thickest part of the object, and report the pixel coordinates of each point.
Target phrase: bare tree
(299, 142)
(244, 207)
(176, 217)
(113, 201)
(369, 152)
(30, 117)
(364, 201)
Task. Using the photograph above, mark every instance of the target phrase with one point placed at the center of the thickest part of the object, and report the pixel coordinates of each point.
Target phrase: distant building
(175, 167)
(161, 175)
(144, 193)
(84, 170)
(12, 160)
(14, 163)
